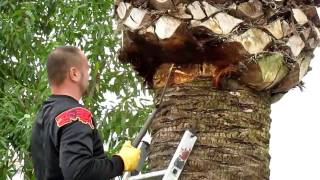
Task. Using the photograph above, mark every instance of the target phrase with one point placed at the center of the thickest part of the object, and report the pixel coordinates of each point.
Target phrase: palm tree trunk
(232, 129)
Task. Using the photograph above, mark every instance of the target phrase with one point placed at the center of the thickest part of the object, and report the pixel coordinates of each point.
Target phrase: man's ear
(74, 74)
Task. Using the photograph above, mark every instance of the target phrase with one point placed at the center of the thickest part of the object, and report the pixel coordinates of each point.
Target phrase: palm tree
(232, 60)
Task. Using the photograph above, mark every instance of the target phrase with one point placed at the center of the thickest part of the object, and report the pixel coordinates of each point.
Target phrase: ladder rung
(149, 176)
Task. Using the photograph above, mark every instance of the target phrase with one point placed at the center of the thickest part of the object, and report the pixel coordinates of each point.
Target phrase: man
(65, 143)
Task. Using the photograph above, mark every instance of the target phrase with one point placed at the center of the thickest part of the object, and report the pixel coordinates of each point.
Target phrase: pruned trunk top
(264, 45)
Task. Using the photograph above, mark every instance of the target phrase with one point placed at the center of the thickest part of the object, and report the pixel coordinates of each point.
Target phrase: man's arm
(76, 155)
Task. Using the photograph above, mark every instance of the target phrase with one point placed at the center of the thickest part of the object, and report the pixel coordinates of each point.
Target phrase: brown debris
(189, 72)
(181, 48)
(181, 73)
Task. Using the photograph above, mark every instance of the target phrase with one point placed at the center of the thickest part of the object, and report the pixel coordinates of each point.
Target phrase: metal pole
(148, 122)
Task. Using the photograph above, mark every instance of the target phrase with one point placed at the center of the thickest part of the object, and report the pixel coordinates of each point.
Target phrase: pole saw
(144, 129)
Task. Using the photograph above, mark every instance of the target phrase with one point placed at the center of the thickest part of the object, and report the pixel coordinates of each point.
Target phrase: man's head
(68, 67)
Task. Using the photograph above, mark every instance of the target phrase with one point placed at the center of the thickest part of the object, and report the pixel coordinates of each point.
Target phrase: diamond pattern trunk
(232, 129)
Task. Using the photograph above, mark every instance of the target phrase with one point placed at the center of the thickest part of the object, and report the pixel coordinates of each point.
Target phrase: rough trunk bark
(232, 129)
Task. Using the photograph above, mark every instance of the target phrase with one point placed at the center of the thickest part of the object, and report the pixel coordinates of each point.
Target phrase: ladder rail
(176, 164)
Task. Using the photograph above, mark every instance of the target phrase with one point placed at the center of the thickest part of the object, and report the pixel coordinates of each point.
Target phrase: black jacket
(66, 145)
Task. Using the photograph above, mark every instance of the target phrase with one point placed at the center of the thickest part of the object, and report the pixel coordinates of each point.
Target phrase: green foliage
(29, 30)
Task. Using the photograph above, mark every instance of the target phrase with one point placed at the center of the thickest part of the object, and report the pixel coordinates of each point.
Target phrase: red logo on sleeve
(75, 114)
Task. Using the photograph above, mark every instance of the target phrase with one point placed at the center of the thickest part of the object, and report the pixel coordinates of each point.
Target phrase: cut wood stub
(304, 63)
(137, 18)
(299, 16)
(312, 15)
(166, 26)
(196, 10)
(290, 81)
(296, 44)
(311, 44)
(306, 34)
(251, 9)
(180, 12)
(210, 24)
(314, 40)
(275, 28)
(123, 9)
(254, 40)
(316, 34)
(286, 28)
(162, 4)
(295, 75)
(209, 9)
(265, 73)
(232, 7)
(226, 22)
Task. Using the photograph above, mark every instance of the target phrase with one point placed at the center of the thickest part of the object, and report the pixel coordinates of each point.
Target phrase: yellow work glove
(130, 156)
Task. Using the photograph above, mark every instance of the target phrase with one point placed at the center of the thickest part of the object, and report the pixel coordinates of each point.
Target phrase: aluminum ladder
(176, 164)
